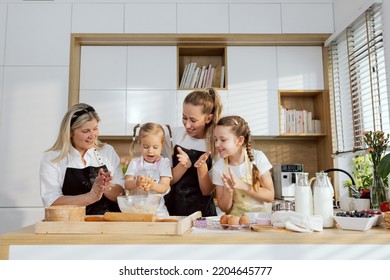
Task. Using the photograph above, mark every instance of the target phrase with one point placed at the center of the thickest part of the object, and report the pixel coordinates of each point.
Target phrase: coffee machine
(284, 176)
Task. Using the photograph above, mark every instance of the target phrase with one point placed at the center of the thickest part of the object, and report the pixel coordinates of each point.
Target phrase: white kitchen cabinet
(1, 88)
(255, 18)
(97, 18)
(3, 22)
(38, 34)
(103, 67)
(181, 95)
(151, 67)
(34, 101)
(252, 67)
(258, 107)
(202, 18)
(307, 18)
(150, 18)
(150, 106)
(111, 107)
(300, 68)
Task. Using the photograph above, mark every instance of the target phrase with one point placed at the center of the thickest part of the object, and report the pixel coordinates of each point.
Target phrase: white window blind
(357, 79)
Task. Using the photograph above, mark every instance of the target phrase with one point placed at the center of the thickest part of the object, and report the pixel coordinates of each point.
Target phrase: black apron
(185, 196)
(79, 181)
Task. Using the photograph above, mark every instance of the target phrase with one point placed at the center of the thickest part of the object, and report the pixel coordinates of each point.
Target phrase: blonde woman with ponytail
(242, 175)
(192, 188)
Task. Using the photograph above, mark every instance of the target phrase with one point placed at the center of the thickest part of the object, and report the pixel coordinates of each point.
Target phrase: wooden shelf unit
(311, 101)
(203, 55)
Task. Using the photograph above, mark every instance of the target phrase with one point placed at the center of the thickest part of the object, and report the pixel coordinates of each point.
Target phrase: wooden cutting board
(171, 225)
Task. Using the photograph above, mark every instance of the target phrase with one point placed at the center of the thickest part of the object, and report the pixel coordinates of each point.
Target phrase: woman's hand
(202, 159)
(183, 158)
(101, 184)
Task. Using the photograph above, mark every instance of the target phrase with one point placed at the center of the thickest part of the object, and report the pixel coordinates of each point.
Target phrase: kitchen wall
(34, 70)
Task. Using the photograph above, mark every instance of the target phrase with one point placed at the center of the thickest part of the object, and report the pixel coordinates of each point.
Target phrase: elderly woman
(80, 170)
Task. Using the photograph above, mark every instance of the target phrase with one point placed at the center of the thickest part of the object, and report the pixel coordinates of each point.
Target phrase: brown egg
(244, 219)
(224, 220)
(233, 220)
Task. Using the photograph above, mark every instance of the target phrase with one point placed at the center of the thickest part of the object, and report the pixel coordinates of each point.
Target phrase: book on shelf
(208, 76)
(317, 126)
(202, 73)
(189, 78)
(217, 79)
(204, 78)
(195, 77)
(222, 77)
(183, 77)
(211, 78)
(294, 121)
(282, 119)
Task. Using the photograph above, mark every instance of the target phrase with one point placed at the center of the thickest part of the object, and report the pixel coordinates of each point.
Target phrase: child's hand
(231, 182)
(202, 159)
(144, 183)
(183, 158)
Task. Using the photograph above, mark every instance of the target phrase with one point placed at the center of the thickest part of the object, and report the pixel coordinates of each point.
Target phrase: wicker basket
(386, 219)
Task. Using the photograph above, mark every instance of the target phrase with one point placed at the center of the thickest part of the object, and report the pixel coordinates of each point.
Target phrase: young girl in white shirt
(242, 175)
(149, 173)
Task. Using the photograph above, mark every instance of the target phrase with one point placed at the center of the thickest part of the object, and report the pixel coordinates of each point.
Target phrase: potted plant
(362, 175)
(376, 143)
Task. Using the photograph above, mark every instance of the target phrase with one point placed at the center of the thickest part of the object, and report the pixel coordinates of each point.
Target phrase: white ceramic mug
(360, 204)
(346, 203)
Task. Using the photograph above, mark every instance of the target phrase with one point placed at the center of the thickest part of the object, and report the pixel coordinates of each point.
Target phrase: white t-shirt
(52, 174)
(261, 161)
(160, 168)
(181, 138)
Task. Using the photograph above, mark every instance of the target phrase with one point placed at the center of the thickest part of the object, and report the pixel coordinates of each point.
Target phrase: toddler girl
(149, 173)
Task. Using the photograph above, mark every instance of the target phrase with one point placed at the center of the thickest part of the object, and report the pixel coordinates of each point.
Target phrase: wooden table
(26, 236)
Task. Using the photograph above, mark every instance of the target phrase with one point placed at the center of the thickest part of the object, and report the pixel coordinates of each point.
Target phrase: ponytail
(132, 145)
(170, 138)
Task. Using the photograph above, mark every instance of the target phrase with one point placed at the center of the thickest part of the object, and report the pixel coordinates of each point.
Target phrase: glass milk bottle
(303, 195)
(323, 199)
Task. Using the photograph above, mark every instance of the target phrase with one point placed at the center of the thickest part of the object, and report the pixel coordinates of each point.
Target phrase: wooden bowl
(67, 213)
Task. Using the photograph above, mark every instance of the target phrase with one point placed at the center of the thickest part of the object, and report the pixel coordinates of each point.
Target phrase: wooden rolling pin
(129, 217)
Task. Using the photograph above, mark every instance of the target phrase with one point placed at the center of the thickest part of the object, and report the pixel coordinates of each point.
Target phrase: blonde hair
(211, 103)
(73, 119)
(148, 129)
(239, 127)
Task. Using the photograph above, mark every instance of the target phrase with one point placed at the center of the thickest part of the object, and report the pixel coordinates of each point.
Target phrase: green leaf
(384, 166)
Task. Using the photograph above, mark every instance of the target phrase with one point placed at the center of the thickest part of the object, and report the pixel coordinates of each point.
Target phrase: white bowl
(352, 223)
(139, 203)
